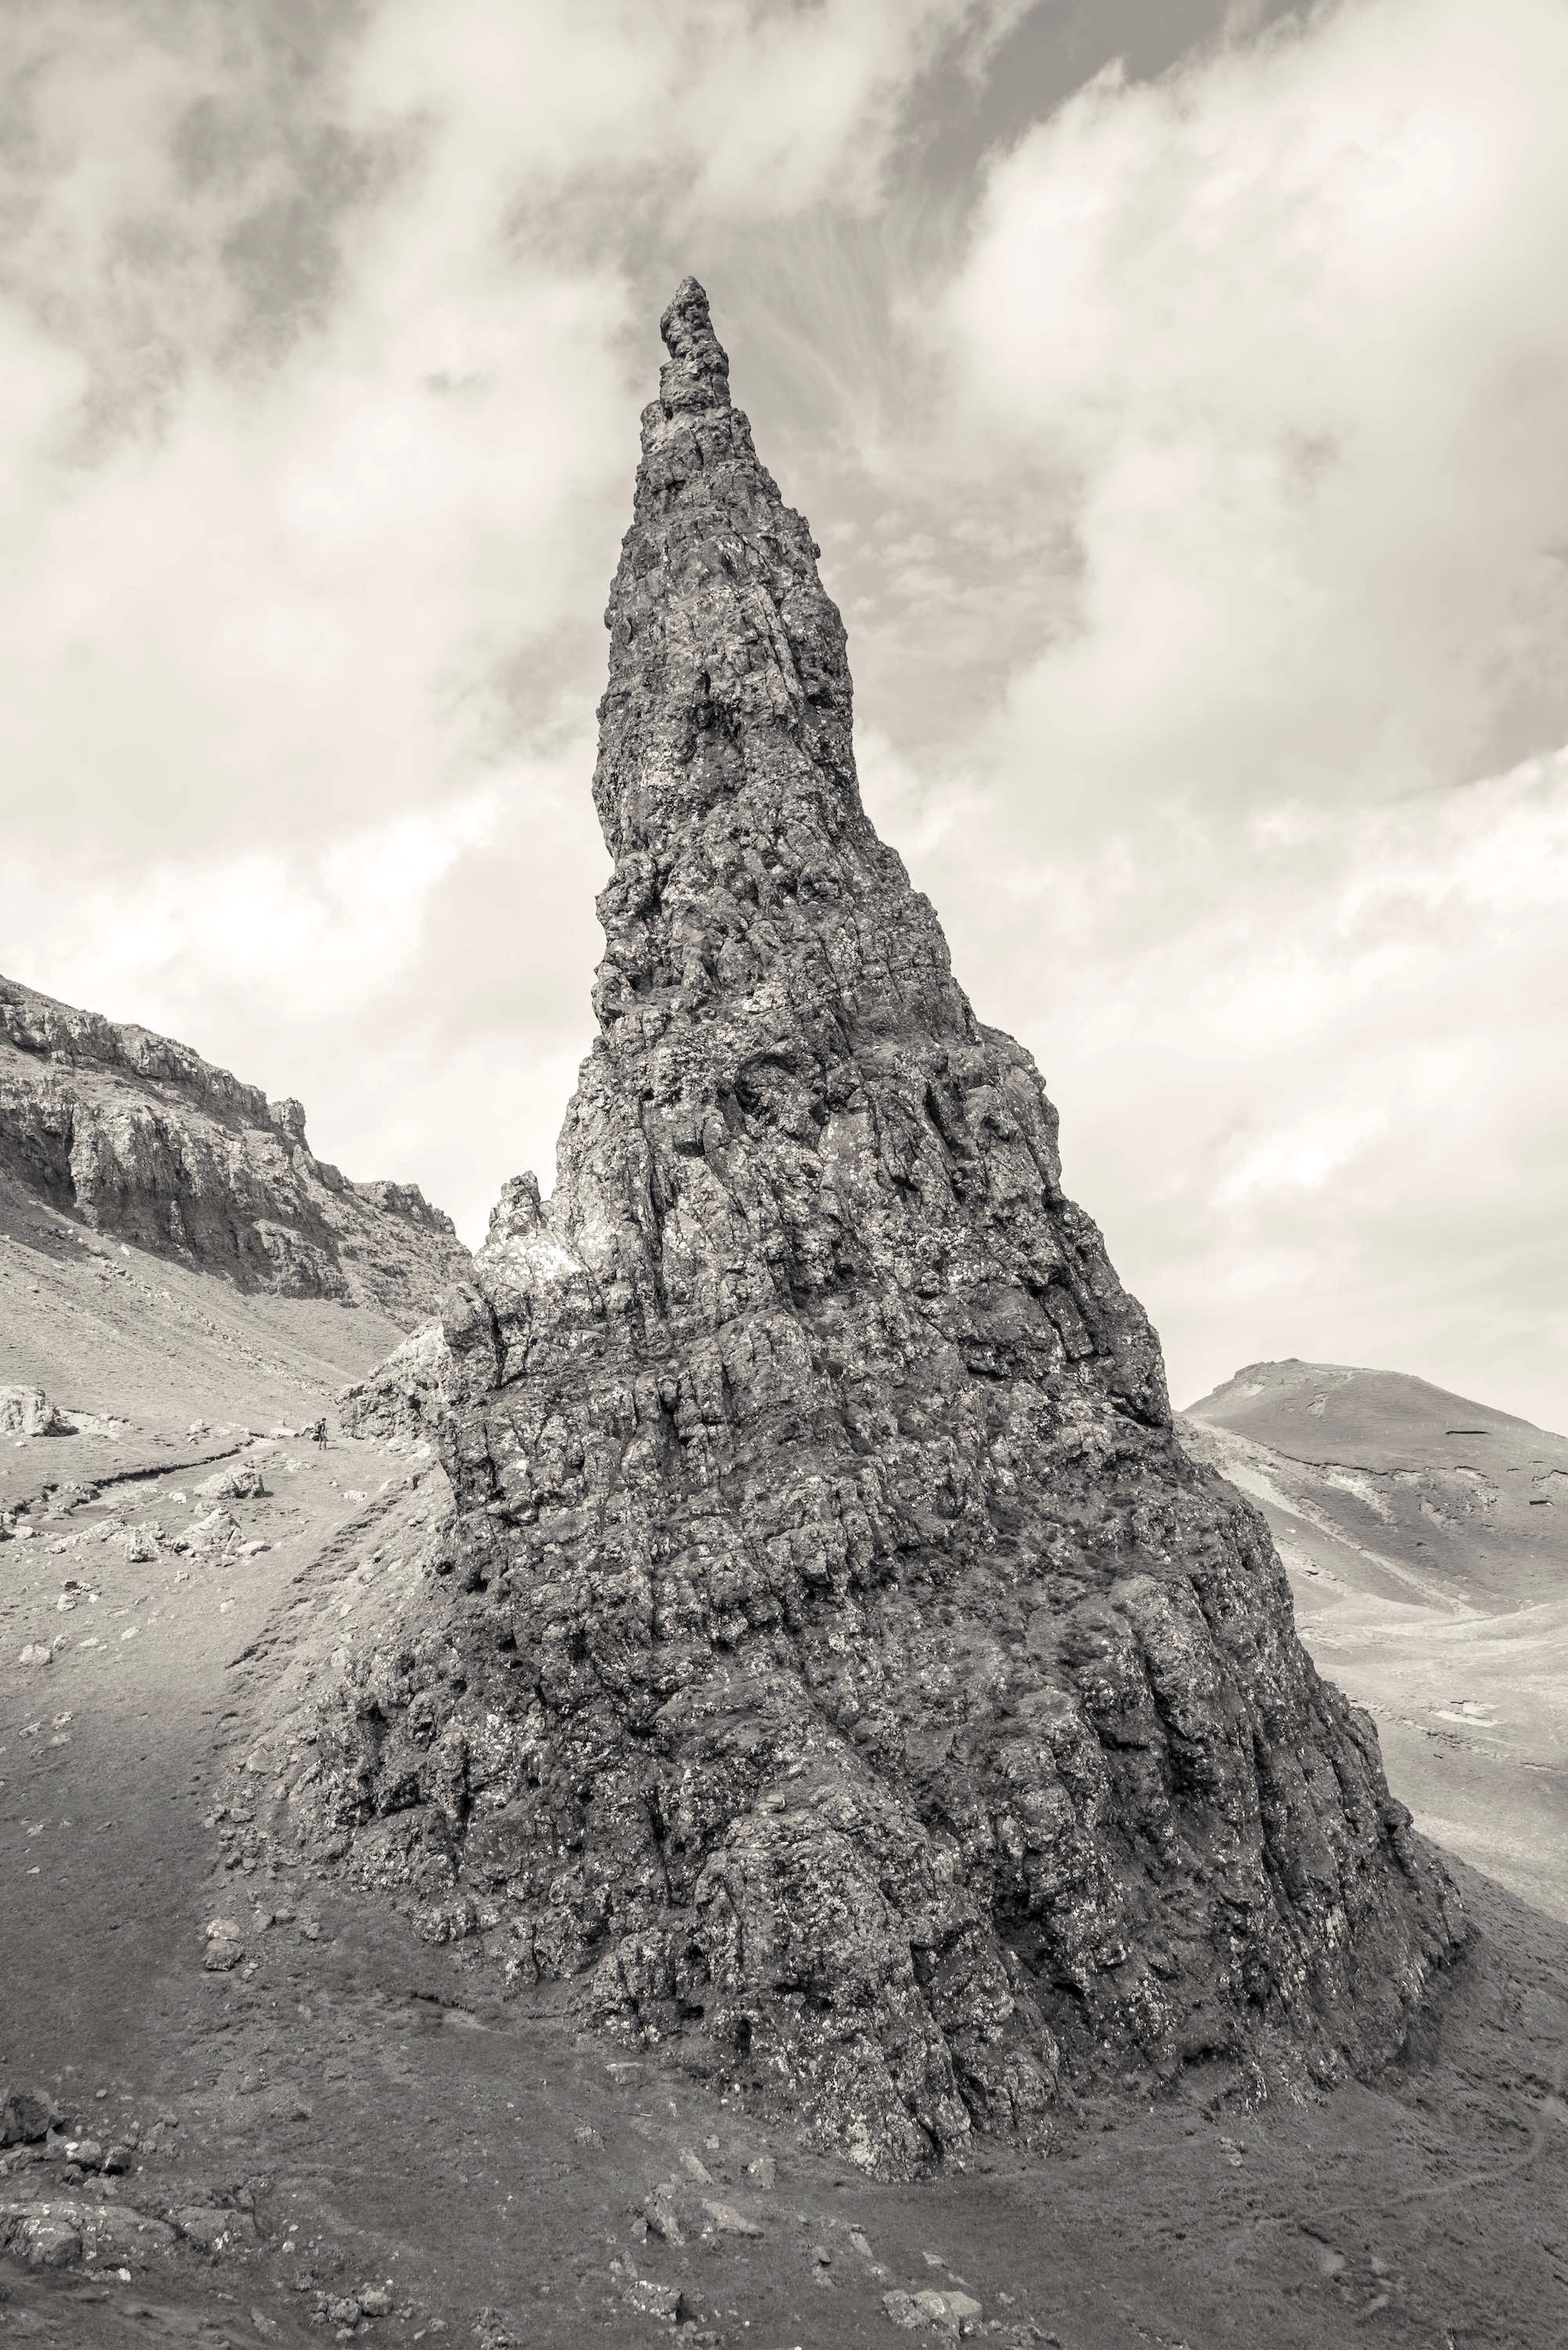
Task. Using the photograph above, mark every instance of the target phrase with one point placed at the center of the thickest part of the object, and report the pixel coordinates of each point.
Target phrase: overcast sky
(1180, 397)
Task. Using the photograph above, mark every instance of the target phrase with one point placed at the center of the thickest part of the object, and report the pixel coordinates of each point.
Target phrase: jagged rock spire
(847, 1676)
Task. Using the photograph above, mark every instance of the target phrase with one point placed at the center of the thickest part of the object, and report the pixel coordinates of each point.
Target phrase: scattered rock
(241, 1484)
(650, 2298)
(728, 2221)
(225, 1948)
(28, 1411)
(60, 2232)
(948, 2313)
(492, 2331)
(661, 2216)
(27, 2116)
(44, 2238)
(213, 2228)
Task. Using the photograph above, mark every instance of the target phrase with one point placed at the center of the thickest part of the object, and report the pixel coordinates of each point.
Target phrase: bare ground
(384, 2117)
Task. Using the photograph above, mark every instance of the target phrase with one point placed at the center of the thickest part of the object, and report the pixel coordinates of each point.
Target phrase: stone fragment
(661, 2216)
(241, 1484)
(28, 1411)
(42, 2239)
(950, 2313)
(27, 2116)
(213, 2228)
(225, 1948)
(60, 2232)
(728, 2221)
(216, 1530)
(651, 2299)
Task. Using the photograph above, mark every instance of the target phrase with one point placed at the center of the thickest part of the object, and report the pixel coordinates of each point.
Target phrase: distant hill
(1425, 1537)
(1396, 1483)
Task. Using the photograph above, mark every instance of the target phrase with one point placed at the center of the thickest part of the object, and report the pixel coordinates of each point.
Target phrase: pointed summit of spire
(697, 372)
(727, 668)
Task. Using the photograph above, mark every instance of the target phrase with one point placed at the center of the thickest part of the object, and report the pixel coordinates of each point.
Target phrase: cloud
(750, 112)
(1279, 345)
(1307, 1069)
(1292, 321)
(1200, 517)
(320, 375)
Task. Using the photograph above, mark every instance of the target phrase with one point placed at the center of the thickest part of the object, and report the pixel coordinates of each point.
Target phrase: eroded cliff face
(843, 1669)
(139, 1138)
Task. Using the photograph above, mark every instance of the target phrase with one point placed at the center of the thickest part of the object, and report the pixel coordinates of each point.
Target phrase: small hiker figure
(318, 1430)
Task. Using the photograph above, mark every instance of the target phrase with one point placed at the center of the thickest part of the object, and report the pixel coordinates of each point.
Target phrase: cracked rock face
(140, 1139)
(845, 1670)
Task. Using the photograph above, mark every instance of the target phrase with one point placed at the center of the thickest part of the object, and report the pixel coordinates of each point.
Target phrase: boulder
(26, 2115)
(28, 1411)
(242, 1484)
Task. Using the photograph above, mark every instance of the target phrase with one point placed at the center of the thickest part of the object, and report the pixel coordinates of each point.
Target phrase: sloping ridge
(1470, 1502)
(844, 1676)
(138, 1137)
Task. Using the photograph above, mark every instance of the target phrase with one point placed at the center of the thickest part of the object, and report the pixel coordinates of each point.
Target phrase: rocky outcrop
(140, 1139)
(405, 1399)
(844, 1673)
(28, 1411)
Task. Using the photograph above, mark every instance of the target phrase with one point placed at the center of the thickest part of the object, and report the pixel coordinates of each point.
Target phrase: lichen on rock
(843, 1673)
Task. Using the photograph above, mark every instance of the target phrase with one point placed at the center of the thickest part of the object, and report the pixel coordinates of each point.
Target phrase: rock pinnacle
(847, 1679)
